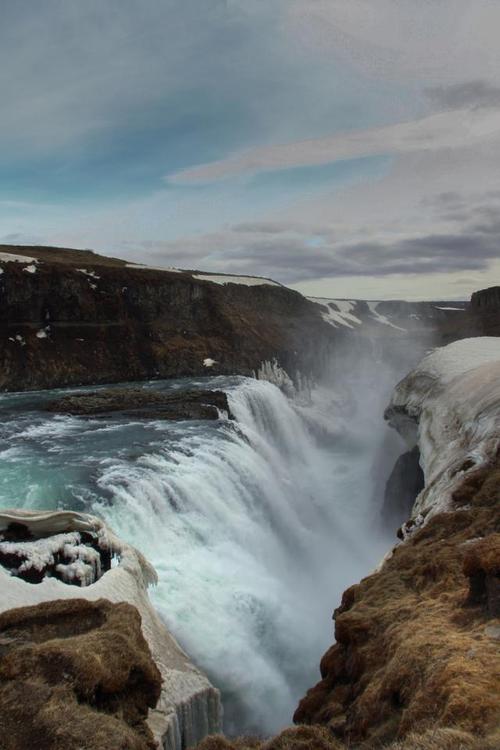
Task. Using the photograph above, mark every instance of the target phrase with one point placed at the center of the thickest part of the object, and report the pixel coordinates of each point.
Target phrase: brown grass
(412, 651)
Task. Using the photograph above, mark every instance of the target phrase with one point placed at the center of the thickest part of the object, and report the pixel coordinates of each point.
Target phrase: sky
(346, 148)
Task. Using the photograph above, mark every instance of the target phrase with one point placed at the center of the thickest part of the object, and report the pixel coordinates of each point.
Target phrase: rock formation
(417, 643)
(144, 404)
(72, 317)
(36, 545)
(76, 673)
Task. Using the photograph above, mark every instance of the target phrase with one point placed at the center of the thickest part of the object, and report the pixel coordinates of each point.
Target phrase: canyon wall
(417, 642)
(72, 317)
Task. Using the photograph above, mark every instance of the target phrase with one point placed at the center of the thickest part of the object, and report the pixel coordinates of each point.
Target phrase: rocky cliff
(417, 642)
(72, 317)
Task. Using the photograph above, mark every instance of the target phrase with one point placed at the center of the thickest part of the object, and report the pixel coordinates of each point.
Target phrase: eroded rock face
(76, 674)
(141, 403)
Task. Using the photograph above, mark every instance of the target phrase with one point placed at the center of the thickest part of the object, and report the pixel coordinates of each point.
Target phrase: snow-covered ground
(227, 279)
(452, 401)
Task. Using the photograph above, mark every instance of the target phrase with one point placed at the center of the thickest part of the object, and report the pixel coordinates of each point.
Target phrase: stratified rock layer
(76, 674)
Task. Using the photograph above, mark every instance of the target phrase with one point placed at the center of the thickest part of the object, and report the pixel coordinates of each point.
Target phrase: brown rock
(75, 674)
(144, 403)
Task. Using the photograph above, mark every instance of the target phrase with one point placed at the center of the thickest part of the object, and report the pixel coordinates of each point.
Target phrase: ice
(450, 405)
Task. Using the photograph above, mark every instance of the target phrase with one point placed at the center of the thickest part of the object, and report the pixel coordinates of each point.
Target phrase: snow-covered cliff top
(452, 399)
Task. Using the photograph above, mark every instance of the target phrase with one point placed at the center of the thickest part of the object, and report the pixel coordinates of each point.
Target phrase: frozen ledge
(189, 706)
(450, 405)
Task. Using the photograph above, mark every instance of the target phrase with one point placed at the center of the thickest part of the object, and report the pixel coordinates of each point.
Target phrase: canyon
(415, 659)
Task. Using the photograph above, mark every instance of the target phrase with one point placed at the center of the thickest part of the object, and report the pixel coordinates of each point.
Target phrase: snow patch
(30, 269)
(208, 362)
(228, 279)
(170, 269)
(12, 258)
(372, 306)
(88, 273)
(337, 311)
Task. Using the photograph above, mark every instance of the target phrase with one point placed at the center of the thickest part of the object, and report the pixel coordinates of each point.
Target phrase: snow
(12, 258)
(43, 333)
(372, 306)
(461, 309)
(342, 315)
(227, 279)
(88, 273)
(189, 707)
(170, 269)
(208, 362)
(18, 338)
(30, 269)
(450, 405)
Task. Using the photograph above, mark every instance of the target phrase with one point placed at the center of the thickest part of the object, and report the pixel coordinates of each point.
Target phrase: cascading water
(255, 526)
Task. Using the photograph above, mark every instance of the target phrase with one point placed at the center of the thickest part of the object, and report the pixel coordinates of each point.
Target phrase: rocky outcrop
(417, 643)
(188, 707)
(76, 673)
(142, 403)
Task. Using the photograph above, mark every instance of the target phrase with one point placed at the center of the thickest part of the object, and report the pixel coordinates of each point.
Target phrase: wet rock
(403, 486)
(76, 674)
(144, 404)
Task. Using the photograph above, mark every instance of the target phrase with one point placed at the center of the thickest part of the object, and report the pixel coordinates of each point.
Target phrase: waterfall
(254, 531)
(255, 525)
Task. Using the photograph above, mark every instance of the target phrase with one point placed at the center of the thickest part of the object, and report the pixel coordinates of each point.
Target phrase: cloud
(443, 130)
(467, 94)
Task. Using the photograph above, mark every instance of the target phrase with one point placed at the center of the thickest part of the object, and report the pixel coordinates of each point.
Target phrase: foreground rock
(37, 543)
(418, 642)
(144, 404)
(76, 674)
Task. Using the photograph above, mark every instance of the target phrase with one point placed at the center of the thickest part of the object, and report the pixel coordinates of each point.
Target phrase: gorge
(255, 521)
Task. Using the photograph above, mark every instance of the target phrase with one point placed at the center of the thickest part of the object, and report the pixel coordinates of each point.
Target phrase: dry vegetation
(416, 665)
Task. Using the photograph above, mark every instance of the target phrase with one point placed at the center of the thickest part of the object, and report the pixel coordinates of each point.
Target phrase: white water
(255, 527)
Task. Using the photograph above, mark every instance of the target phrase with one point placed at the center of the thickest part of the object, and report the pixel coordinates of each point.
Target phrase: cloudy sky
(343, 147)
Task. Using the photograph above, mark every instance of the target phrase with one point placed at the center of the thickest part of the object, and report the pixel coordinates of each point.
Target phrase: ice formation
(450, 405)
(275, 374)
(189, 707)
